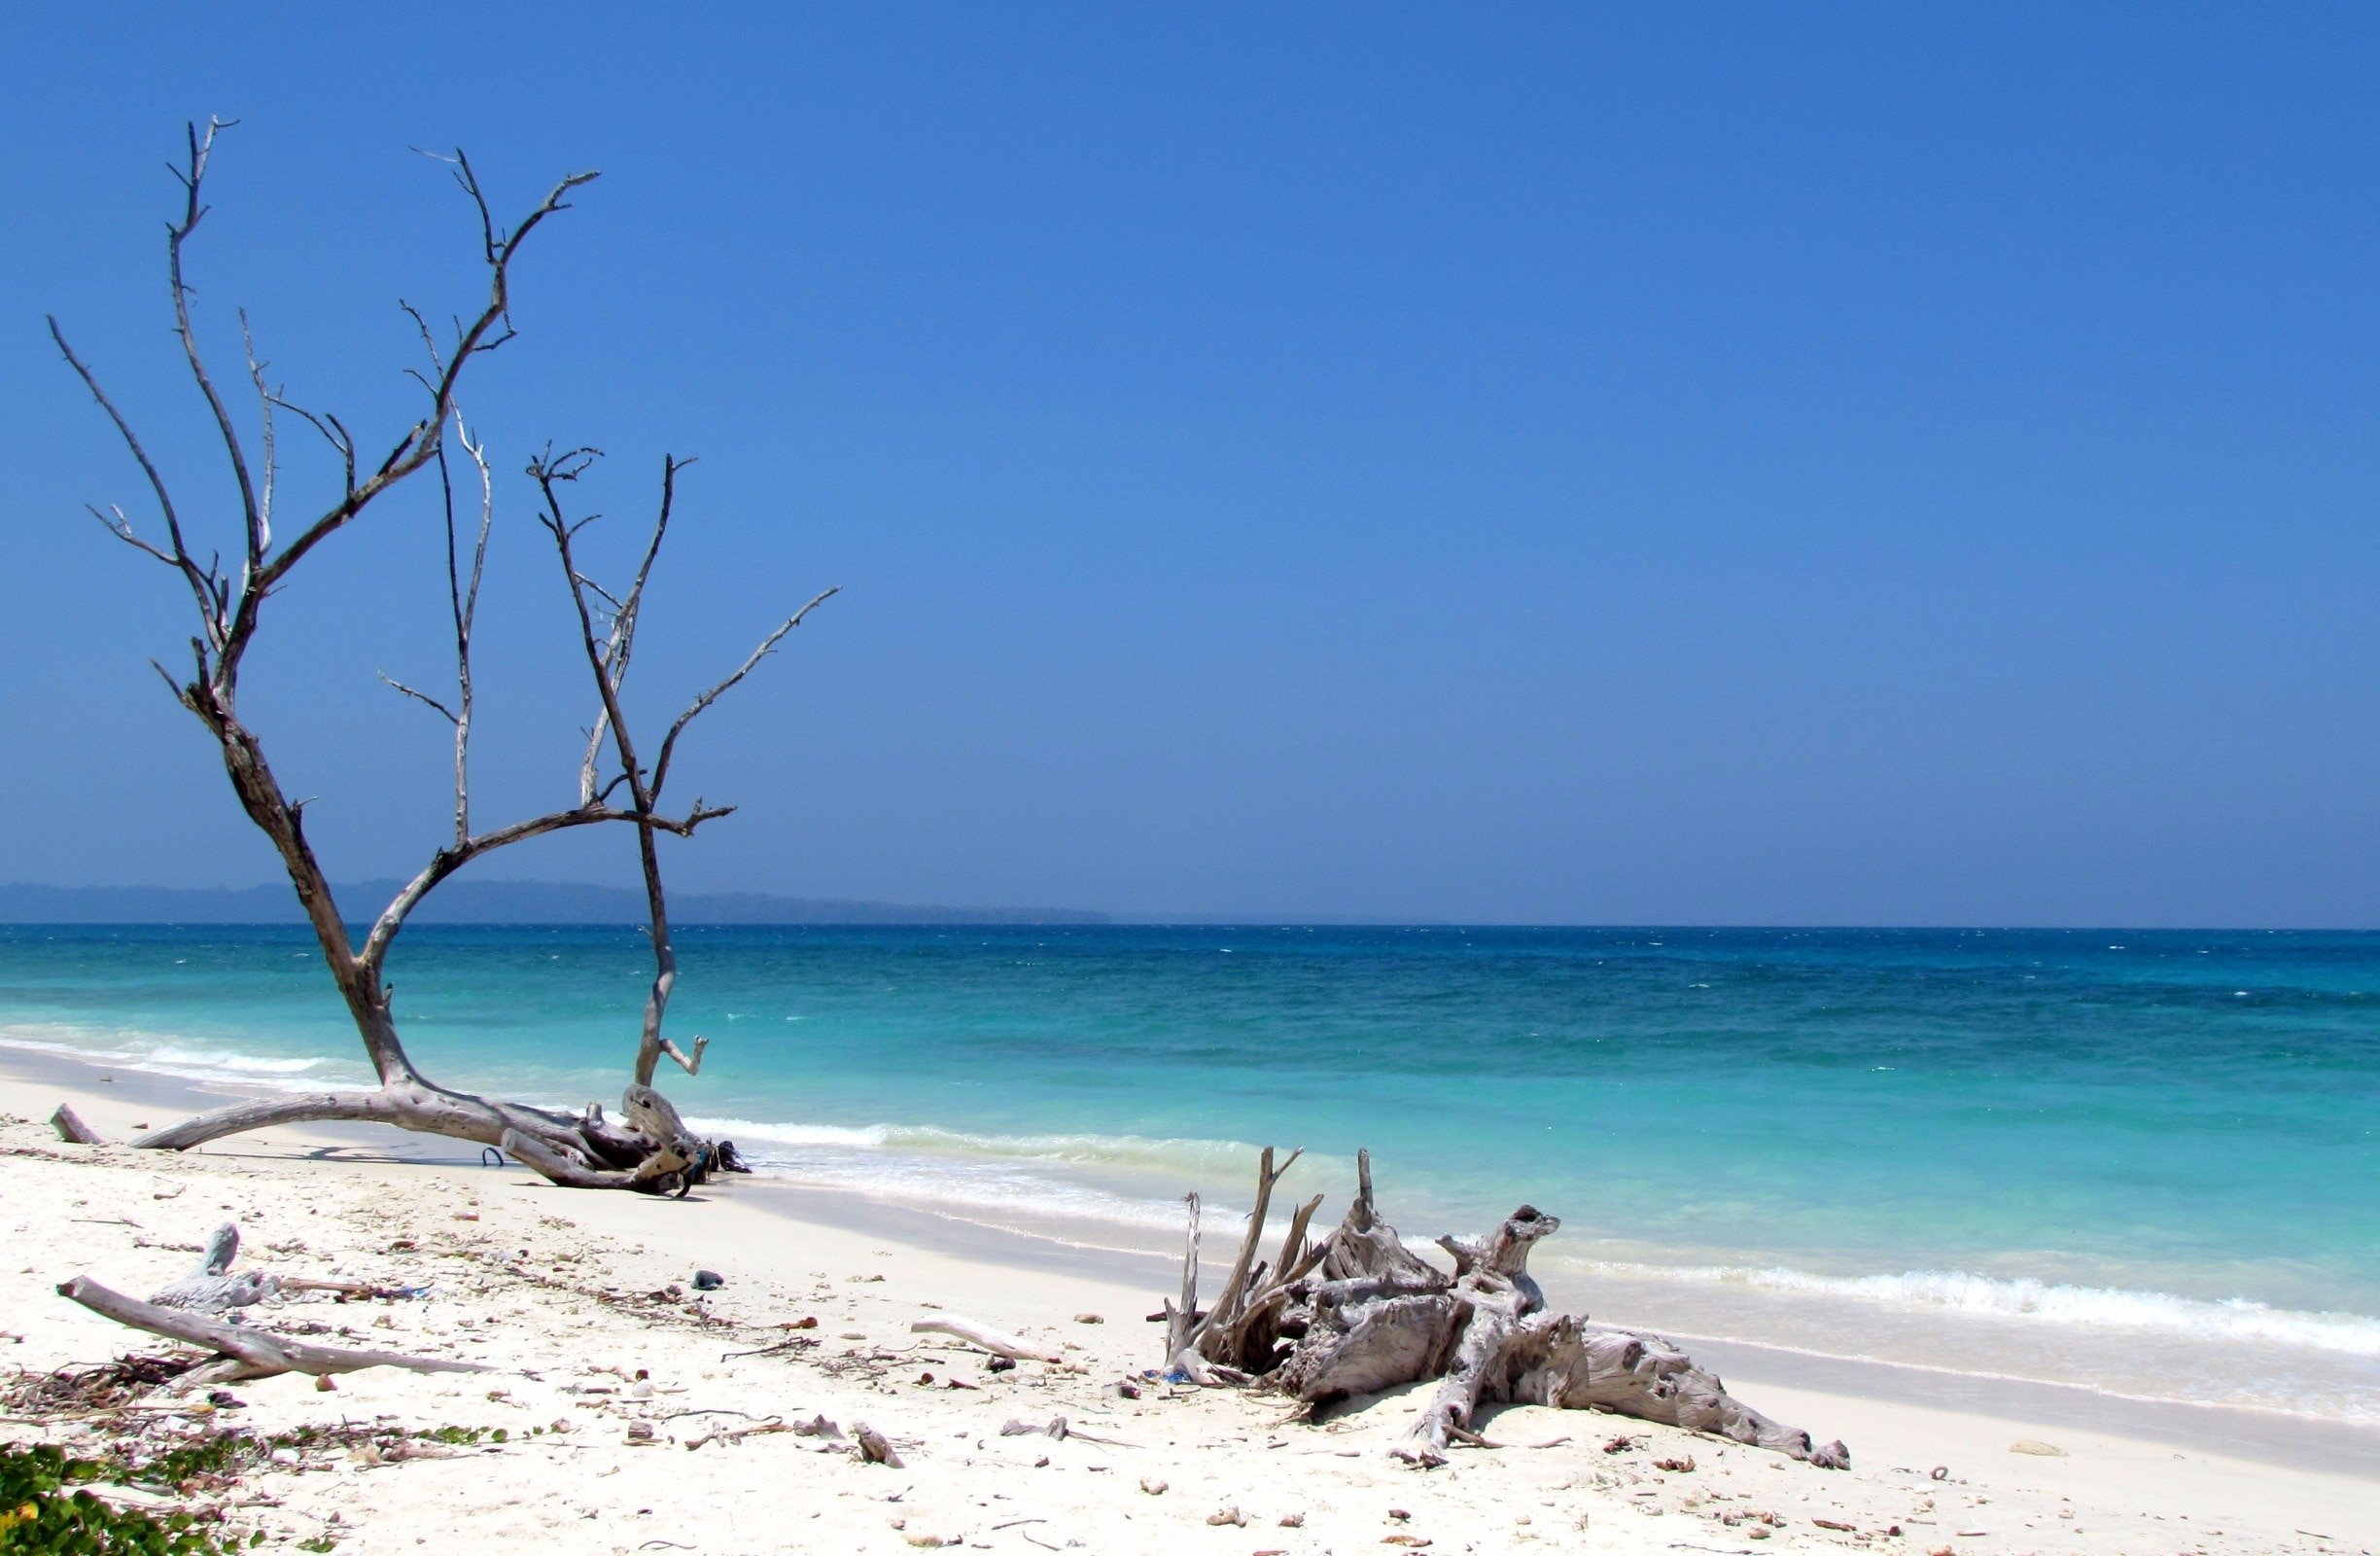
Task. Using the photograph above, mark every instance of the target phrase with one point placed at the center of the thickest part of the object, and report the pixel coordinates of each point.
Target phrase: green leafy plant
(44, 1509)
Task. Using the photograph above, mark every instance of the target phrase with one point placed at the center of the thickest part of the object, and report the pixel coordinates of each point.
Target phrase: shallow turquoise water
(2167, 1134)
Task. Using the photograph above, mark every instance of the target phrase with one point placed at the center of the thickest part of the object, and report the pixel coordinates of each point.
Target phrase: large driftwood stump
(1360, 1312)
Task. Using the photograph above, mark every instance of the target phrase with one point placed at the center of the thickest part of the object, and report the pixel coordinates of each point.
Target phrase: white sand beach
(582, 1306)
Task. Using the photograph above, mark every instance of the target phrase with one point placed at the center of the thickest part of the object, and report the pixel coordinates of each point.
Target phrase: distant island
(466, 902)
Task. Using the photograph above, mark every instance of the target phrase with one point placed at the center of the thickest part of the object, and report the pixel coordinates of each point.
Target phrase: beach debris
(240, 1352)
(1154, 1488)
(211, 1288)
(1676, 1467)
(1621, 1444)
(817, 1427)
(72, 1129)
(708, 1280)
(1293, 1520)
(1835, 1524)
(1089, 1317)
(2037, 1448)
(1128, 1389)
(984, 1337)
(1357, 1313)
(1232, 1516)
(1057, 1429)
(641, 1435)
(324, 1384)
(874, 1447)
(1938, 1472)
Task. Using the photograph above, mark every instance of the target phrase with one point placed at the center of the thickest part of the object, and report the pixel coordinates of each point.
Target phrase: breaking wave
(2029, 1301)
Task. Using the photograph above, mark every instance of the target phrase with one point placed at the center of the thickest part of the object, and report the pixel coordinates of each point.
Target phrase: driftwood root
(1359, 1312)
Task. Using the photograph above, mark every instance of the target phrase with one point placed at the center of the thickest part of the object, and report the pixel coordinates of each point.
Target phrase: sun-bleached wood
(985, 1337)
(1360, 1313)
(241, 1350)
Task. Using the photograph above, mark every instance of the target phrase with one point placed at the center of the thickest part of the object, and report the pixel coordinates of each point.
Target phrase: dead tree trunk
(569, 1147)
(1360, 1312)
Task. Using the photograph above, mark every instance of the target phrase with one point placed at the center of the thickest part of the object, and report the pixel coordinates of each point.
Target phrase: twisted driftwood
(211, 1288)
(241, 1352)
(1359, 1312)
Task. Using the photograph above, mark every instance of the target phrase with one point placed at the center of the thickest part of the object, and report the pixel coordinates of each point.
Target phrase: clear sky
(1734, 464)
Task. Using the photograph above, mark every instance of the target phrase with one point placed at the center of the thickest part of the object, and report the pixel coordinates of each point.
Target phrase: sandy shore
(555, 1291)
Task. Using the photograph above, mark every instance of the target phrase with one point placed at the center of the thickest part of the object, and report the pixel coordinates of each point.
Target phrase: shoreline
(2272, 1436)
(786, 1250)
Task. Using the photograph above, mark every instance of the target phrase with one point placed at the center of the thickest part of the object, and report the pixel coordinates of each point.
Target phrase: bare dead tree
(653, 1151)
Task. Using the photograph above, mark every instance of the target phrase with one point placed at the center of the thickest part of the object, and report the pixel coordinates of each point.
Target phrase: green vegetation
(43, 1508)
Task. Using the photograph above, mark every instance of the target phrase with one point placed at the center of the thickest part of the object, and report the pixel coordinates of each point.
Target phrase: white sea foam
(151, 1053)
(1224, 1157)
(2027, 1300)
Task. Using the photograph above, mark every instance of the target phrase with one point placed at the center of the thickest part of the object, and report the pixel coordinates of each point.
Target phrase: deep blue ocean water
(2000, 1142)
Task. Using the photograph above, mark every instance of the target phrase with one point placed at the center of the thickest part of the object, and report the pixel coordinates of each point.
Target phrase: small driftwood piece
(984, 1337)
(211, 1288)
(241, 1352)
(1359, 1312)
(875, 1448)
(72, 1129)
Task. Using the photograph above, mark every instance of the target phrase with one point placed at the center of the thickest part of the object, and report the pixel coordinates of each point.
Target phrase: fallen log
(1359, 1312)
(241, 1350)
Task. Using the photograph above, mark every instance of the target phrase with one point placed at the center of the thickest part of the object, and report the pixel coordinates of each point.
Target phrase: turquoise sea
(2146, 1163)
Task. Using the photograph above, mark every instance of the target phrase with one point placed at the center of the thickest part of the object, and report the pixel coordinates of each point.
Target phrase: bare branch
(262, 539)
(180, 555)
(464, 597)
(446, 861)
(333, 433)
(418, 445)
(768, 646)
(423, 697)
(201, 150)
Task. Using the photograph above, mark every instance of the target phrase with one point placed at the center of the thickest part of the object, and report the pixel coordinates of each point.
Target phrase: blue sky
(1668, 464)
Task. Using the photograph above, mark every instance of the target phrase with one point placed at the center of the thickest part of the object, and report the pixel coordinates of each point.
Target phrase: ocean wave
(1204, 1158)
(151, 1053)
(2023, 1298)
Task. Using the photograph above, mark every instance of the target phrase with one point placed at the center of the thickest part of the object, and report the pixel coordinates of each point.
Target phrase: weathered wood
(1361, 1312)
(985, 1337)
(875, 1448)
(211, 1288)
(1182, 1316)
(72, 1129)
(246, 1352)
(1232, 1300)
(1568, 1362)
